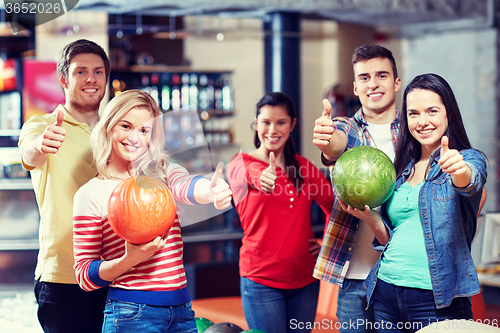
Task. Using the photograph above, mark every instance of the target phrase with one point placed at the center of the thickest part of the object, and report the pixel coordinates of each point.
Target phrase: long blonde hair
(153, 163)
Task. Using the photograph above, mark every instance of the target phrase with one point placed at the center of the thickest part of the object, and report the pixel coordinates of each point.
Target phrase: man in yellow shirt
(56, 150)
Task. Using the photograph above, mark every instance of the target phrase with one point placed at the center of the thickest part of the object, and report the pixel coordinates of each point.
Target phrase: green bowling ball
(224, 328)
(362, 176)
(202, 324)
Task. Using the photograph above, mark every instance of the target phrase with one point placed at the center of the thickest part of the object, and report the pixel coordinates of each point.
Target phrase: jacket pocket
(442, 190)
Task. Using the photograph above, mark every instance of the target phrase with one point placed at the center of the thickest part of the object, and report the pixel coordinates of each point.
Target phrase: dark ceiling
(377, 13)
(403, 17)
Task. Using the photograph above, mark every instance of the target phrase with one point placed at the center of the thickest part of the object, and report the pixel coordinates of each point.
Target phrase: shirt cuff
(470, 186)
(325, 161)
(94, 274)
(191, 189)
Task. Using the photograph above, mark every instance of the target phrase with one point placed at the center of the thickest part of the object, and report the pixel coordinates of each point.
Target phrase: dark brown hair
(78, 47)
(370, 51)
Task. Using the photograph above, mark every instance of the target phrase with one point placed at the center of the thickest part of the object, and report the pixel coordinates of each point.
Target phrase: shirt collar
(433, 159)
(360, 117)
(68, 118)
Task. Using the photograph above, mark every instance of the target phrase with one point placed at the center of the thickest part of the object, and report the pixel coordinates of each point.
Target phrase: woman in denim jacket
(425, 229)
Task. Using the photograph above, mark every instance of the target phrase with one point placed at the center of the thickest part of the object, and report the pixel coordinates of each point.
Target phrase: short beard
(86, 108)
(89, 111)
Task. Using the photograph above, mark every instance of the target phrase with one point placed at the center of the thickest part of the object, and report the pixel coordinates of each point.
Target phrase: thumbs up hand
(445, 145)
(59, 119)
(327, 108)
(451, 161)
(53, 137)
(220, 189)
(323, 127)
(268, 177)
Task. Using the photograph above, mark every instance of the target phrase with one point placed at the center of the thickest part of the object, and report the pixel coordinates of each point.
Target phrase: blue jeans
(279, 310)
(409, 309)
(142, 318)
(61, 305)
(351, 305)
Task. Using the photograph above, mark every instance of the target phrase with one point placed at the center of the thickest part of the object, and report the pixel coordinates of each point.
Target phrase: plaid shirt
(340, 233)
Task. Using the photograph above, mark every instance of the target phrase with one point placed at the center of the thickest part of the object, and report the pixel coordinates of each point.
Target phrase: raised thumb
(272, 165)
(60, 119)
(217, 174)
(444, 145)
(327, 108)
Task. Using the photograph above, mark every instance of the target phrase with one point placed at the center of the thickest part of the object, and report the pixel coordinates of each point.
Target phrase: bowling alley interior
(207, 64)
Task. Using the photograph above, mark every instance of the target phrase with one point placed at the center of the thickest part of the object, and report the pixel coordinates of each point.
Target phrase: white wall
(244, 55)
(467, 60)
(319, 72)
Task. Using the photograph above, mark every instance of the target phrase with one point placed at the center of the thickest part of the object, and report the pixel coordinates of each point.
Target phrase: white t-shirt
(382, 138)
(364, 257)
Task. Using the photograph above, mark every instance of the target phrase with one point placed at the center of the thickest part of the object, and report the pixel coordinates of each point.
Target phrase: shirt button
(291, 206)
(350, 248)
(291, 199)
(291, 192)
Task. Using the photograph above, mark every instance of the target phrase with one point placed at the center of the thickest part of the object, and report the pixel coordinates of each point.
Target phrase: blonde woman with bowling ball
(147, 282)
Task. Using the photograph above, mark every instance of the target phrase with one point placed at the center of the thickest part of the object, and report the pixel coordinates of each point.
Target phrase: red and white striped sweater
(94, 240)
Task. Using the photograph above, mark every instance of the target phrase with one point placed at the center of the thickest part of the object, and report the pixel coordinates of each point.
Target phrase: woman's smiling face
(131, 136)
(427, 118)
(273, 127)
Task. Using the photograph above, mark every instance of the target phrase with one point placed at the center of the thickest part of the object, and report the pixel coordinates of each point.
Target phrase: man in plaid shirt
(347, 255)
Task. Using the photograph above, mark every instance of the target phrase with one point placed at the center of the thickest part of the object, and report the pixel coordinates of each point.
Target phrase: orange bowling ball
(140, 209)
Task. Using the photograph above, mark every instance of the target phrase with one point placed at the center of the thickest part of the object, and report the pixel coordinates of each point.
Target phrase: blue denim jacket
(449, 219)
